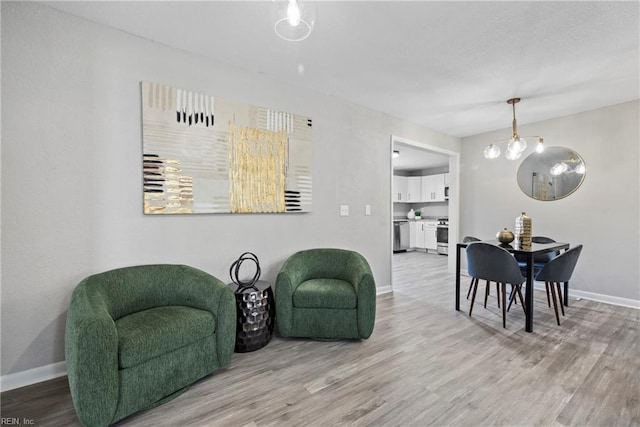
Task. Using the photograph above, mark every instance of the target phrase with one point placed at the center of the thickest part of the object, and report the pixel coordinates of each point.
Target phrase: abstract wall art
(204, 154)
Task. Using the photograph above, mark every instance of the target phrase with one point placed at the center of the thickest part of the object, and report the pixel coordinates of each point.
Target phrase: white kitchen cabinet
(439, 188)
(399, 188)
(427, 188)
(430, 232)
(422, 235)
(433, 188)
(414, 186)
(416, 234)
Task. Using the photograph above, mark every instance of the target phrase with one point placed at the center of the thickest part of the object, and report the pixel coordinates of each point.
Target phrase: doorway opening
(420, 173)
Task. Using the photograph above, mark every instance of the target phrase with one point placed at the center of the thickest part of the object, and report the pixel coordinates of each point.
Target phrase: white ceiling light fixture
(396, 154)
(517, 144)
(296, 25)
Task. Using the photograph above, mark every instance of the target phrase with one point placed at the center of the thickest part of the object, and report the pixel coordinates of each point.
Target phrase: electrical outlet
(344, 210)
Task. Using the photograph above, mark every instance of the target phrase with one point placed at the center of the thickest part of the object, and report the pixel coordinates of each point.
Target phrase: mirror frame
(555, 154)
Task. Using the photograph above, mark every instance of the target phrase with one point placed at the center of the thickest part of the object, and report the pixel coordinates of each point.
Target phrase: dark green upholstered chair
(136, 337)
(326, 294)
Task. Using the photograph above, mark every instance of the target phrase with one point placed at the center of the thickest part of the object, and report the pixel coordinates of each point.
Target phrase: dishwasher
(400, 235)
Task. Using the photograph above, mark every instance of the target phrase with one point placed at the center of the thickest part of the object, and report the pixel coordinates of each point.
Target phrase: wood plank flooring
(425, 364)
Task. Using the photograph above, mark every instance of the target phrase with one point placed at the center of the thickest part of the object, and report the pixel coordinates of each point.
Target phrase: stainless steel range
(442, 236)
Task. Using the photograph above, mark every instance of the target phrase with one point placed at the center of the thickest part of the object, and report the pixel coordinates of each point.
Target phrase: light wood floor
(425, 364)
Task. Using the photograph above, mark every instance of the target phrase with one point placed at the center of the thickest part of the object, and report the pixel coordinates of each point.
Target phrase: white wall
(602, 214)
(71, 172)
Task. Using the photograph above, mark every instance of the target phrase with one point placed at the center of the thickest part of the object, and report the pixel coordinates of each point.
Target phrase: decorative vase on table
(505, 236)
(523, 231)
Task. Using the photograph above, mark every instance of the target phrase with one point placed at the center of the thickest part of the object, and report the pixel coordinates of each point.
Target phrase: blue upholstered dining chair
(559, 270)
(471, 239)
(539, 261)
(494, 264)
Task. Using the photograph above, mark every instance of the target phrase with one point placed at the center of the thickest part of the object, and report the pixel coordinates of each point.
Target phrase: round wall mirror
(551, 175)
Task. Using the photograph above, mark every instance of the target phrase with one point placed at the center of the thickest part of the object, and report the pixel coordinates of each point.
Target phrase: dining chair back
(542, 239)
(494, 264)
(490, 262)
(544, 258)
(557, 271)
(538, 259)
(470, 239)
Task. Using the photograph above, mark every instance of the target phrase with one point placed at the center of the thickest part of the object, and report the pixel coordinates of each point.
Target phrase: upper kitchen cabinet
(414, 189)
(400, 188)
(419, 189)
(433, 188)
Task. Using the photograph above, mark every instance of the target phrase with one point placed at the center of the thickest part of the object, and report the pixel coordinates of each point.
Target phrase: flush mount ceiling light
(296, 25)
(516, 145)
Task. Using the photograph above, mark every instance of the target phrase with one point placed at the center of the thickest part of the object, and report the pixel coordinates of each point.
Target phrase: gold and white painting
(204, 154)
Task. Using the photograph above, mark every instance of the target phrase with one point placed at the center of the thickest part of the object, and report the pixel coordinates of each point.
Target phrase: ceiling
(412, 158)
(449, 66)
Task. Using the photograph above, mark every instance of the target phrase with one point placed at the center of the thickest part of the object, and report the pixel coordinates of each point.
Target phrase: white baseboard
(607, 299)
(592, 296)
(33, 376)
(383, 290)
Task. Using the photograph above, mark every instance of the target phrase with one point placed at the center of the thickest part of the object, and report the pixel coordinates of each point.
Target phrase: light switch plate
(344, 210)
(367, 209)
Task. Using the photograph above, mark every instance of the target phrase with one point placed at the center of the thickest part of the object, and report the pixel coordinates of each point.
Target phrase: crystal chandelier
(516, 145)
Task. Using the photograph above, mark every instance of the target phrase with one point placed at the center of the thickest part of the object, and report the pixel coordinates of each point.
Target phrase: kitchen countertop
(424, 218)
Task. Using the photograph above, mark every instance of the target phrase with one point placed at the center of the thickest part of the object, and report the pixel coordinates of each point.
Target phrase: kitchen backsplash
(431, 209)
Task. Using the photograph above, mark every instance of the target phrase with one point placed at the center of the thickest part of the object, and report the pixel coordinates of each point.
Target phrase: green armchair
(327, 294)
(136, 337)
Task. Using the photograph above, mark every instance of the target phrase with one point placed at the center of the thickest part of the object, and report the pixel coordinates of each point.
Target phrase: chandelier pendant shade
(295, 24)
(492, 151)
(516, 145)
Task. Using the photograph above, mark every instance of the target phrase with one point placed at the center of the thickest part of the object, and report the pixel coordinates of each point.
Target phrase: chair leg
(546, 287)
(504, 305)
(519, 291)
(497, 292)
(560, 297)
(555, 304)
(474, 283)
(512, 298)
(486, 293)
(470, 287)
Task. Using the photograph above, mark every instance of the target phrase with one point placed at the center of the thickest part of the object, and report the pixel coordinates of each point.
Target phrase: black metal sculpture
(235, 270)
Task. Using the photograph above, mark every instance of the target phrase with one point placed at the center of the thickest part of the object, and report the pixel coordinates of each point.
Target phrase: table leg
(529, 295)
(457, 277)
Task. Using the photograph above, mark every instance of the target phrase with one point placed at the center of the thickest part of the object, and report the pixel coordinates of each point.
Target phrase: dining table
(527, 252)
